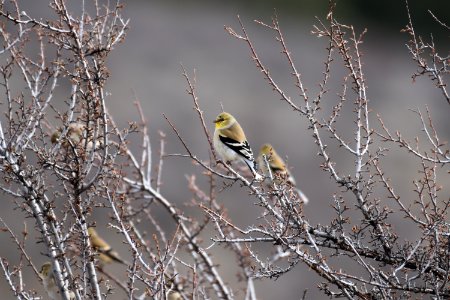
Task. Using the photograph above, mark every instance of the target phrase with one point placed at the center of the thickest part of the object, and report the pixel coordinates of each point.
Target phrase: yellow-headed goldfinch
(106, 253)
(230, 142)
(48, 280)
(269, 158)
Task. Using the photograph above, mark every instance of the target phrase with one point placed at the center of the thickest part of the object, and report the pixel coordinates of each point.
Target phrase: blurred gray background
(164, 34)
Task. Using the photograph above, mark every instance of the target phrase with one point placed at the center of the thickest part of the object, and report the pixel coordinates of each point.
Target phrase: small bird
(76, 134)
(269, 158)
(48, 280)
(106, 253)
(171, 293)
(174, 295)
(230, 142)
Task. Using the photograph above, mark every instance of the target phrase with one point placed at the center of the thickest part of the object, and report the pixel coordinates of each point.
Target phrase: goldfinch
(230, 142)
(174, 295)
(106, 253)
(48, 280)
(171, 293)
(76, 134)
(269, 158)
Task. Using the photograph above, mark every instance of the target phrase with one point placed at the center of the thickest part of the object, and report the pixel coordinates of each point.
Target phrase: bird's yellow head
(224, 120)
(46, 269)
(266, 150)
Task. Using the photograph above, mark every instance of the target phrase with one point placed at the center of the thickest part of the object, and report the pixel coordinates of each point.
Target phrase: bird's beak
(215, 121)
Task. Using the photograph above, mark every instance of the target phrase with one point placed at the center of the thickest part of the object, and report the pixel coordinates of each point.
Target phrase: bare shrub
(60, 158)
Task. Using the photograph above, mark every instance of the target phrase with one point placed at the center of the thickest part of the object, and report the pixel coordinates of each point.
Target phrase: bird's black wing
(241, 148)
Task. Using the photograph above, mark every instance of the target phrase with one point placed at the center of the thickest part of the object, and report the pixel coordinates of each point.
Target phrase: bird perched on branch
(230, 142)
(106, 253)
(76, 135)
(270, 162)
(48, 280)
(172, 293)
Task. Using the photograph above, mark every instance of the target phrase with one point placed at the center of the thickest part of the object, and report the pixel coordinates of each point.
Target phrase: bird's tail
(110, 253)
(252, 166)
(302, 196)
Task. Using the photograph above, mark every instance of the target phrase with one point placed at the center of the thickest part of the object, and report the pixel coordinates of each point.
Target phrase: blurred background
(163, 34)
